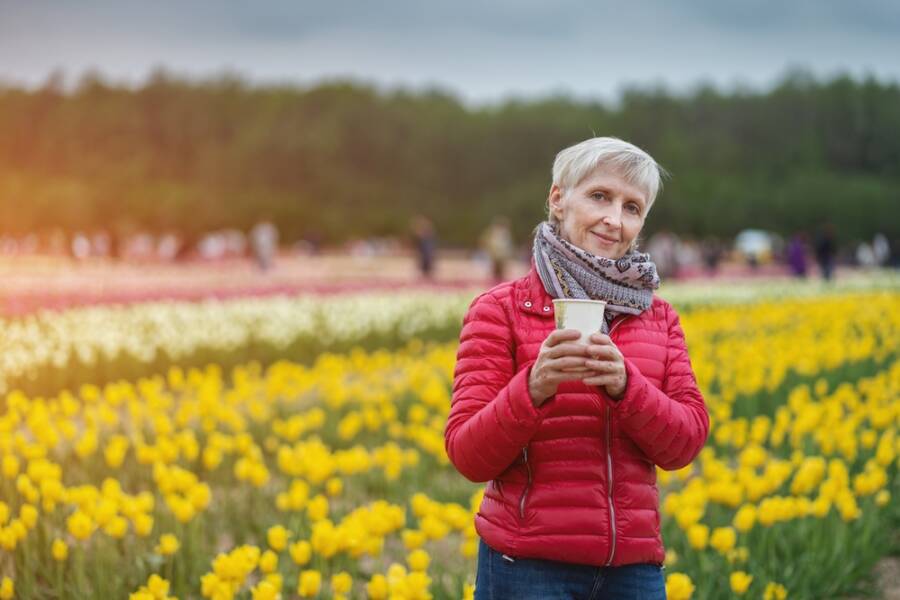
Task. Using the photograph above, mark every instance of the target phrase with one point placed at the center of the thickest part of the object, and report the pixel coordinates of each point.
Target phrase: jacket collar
(531, 297)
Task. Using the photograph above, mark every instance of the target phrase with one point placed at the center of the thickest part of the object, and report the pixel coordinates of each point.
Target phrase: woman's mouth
(606, 241)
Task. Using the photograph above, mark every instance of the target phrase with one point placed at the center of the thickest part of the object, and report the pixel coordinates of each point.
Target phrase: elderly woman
(568, 435)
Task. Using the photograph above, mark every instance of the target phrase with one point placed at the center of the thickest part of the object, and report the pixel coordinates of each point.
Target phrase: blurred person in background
(80, 246)
(497, 243)
(663, 247)
(264, 243)
(865, 256)
(57, 239)
(100, 243)
(712, 250)
(826, 249)
(881, 248)
(568, 435)
(796, 254)
(425, 242)
(167, 246)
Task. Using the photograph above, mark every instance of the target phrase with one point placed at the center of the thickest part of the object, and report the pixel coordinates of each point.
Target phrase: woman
(568, 435)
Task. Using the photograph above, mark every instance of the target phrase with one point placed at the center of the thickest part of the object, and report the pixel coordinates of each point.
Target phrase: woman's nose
(612, 218)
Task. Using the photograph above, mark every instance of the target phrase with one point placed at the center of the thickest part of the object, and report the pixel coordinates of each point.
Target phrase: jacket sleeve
(491, 415)
(670, 424)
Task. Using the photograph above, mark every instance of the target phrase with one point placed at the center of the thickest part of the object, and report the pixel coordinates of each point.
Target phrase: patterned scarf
(567, 271)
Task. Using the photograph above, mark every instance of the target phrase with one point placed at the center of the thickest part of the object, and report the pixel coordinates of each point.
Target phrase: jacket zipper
(609, 486)
(527, 485)
(617, 323)
(609, 470)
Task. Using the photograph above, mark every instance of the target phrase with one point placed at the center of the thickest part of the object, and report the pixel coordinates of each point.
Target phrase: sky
(482, 51)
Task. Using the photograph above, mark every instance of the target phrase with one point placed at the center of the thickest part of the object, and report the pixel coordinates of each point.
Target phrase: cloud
(482, 50)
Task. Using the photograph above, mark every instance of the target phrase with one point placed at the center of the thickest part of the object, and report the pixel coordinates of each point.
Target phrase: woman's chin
(609, 253)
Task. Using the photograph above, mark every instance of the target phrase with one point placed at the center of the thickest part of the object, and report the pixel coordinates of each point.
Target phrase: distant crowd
(802, 254)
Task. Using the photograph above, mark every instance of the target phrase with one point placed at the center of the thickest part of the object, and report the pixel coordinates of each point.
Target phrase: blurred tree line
(343, 160)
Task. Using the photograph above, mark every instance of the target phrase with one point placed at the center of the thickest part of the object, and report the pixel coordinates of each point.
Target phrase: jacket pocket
(523, 499)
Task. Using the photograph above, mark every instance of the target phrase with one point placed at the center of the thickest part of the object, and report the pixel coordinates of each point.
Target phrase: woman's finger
(567, 349)
(602, 339)
(558, 336)
(601, 380)
(562, 376)
(567, 362)
(603, 366)
(576, 372)
(603, 352)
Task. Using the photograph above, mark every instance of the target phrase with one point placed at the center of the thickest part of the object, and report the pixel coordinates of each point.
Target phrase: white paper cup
(584, 315)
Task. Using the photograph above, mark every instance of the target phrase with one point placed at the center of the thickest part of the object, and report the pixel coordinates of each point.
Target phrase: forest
(342, 159)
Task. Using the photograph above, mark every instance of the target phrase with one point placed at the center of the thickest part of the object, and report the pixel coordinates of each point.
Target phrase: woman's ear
(554, 202)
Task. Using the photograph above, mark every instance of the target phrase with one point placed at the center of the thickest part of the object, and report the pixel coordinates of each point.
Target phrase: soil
(887, 580)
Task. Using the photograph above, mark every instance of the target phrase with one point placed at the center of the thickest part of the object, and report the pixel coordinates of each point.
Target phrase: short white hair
(638, 168)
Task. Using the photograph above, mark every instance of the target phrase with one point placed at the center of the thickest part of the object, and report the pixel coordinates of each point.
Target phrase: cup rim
(555, 300)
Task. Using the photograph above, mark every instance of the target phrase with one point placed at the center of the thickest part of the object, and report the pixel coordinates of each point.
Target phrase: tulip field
(292, 447)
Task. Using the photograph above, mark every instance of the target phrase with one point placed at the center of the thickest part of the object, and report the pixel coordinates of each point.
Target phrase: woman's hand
(561, 358)
(607, 366)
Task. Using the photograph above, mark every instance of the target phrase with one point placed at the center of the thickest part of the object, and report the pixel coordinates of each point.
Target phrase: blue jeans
(508, 578)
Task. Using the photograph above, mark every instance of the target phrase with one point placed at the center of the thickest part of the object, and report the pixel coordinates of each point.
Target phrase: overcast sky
(482, 51)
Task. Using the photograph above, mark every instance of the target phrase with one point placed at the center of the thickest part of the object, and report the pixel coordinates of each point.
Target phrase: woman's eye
(598, 195)
(634, 209)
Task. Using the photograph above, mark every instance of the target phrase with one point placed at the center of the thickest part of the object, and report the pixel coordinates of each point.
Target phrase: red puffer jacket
(573, 480)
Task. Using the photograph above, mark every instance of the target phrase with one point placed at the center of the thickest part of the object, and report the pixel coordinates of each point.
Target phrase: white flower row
(745, 291)
(54, 340)
(34, 345)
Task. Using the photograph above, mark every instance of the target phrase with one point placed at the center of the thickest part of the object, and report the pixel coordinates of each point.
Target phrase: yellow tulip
(723, 539)
(268, 562)
(413, 539)
(10, 466)
(469, 548)
(59, 550)
(80, 525)
(317, 508)
(418, 560)
(309, 583)
(679, 587)
(117, 527)
(7, 589)
(698, 536)
(301, 552)
(143, 524)
(28, 514)
(740, 582)
(377, 588)
(774, 591)
(168, 544)
(265, 590)
(277, 537)
(334, 486)
(341, 583)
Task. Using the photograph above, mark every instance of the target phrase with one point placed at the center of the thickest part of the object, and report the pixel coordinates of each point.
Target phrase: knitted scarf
(566, 271)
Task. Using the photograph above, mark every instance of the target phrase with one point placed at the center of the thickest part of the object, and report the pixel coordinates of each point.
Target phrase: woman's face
(603, 214)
